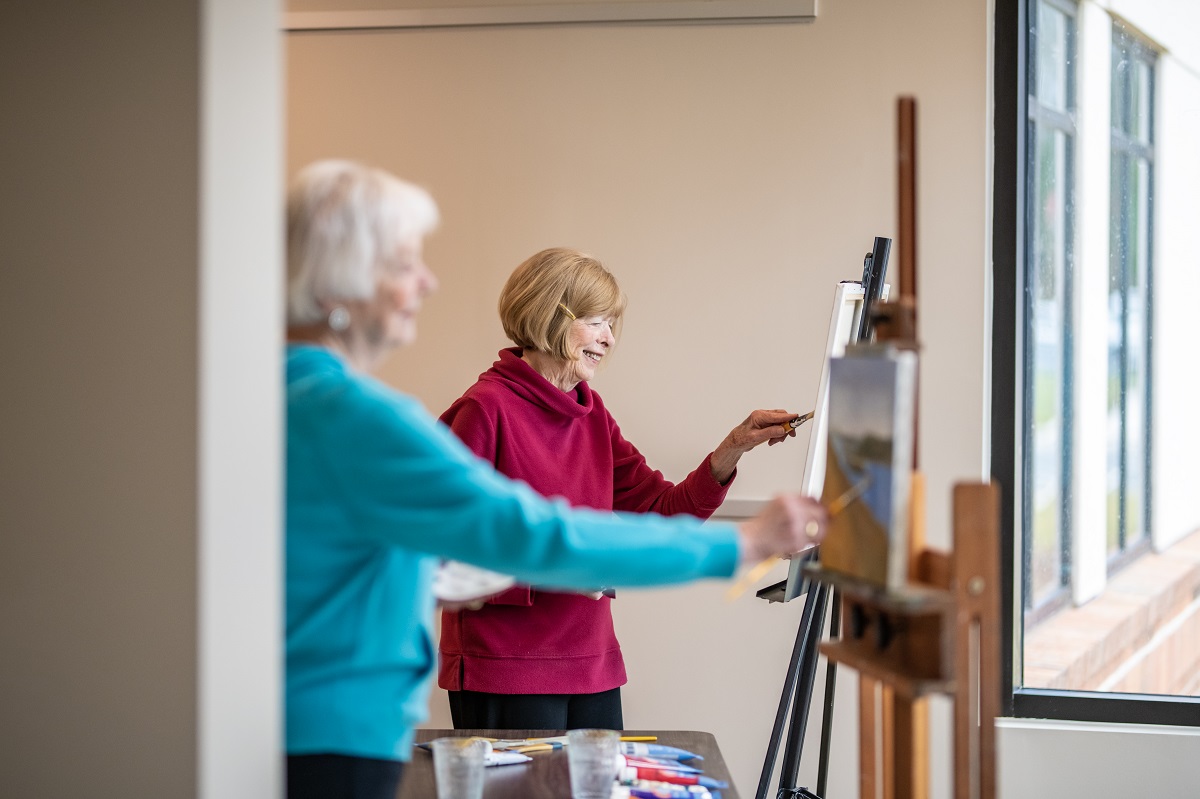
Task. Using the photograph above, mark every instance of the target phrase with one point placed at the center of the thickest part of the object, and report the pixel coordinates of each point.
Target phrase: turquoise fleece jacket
(377, 492)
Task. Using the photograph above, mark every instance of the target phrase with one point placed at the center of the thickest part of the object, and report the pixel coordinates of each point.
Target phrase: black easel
(802, 667)
(874, 271)
(797, 696)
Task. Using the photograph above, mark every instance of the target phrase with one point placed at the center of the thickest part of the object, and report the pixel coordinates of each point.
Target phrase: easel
(940, 633)
(849, 322)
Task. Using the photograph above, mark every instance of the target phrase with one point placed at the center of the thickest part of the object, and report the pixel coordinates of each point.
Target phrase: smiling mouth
(591, 356)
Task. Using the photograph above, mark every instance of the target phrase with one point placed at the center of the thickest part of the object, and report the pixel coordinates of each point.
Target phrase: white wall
(1177, 175)
(1071, 760)
(139, 463)
(729, 175)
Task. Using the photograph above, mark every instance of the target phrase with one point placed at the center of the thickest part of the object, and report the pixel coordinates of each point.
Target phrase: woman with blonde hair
(531, 658)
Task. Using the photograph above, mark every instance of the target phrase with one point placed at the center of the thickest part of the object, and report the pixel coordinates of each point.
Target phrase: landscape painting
(869, 464)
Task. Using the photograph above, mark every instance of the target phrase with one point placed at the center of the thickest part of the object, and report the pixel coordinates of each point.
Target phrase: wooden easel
(938, 636)
(940, 633)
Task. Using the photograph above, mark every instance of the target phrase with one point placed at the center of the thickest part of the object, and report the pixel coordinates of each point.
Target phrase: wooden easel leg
(868, 777)
(887, 742)
(989, 706)
(912, 748)
(916, 526)
(977, 643)
(965, 723)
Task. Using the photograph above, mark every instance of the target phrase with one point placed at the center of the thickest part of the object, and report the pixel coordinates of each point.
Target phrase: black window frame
(1010, 116)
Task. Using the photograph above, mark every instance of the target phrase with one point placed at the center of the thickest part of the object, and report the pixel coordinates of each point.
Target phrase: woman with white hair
(378, 491)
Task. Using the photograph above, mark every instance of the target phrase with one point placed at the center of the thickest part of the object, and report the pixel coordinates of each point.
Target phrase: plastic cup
(458, 767)
(592, 758)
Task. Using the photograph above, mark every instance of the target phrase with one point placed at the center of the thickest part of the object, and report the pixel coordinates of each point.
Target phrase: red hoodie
(565, 444)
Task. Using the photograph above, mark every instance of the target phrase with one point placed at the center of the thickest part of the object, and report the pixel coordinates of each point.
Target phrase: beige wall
(729, 175)
(140, 155)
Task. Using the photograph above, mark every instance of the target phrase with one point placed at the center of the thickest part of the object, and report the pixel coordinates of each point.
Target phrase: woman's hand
(759, 426)
(789, 524)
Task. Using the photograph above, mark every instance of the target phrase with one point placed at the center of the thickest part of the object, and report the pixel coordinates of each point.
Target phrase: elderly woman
(543, 659)
(378, 491)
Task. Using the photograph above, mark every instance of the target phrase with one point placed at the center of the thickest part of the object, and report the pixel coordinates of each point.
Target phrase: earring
(339, 318)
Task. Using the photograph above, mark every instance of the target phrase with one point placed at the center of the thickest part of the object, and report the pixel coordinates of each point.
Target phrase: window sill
(1141, 635)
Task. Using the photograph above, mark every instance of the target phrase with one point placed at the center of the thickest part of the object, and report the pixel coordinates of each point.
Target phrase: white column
(240, 553)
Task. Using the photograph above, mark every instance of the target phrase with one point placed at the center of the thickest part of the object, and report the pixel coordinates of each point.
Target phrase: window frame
(1010, 118)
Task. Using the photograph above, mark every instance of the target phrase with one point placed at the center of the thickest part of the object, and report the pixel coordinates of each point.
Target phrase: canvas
(868, 466)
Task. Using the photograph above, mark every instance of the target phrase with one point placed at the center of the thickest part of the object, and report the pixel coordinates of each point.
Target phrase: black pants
(474, 710)
(342, 777)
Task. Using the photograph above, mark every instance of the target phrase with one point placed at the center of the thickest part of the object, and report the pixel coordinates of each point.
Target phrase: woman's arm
(641, 489)
(637, 487)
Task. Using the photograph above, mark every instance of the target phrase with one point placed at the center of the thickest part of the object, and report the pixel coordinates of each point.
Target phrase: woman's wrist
(723, 462)
(750, 549)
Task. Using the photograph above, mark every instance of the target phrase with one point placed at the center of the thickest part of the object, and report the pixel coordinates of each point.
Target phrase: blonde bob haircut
(345, 222)
(544, 295)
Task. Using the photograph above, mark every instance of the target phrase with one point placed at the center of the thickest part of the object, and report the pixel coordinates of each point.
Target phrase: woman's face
(589, 341)
(389, 319)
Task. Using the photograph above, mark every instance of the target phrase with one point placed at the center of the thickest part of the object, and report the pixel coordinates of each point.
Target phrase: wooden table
(545, 776)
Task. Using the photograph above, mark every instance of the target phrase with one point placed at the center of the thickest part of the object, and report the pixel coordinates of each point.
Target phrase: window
(1129, 300)
(1097, 193)
(1046, 512)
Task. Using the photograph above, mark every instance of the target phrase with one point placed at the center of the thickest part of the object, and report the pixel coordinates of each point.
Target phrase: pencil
(528, 748)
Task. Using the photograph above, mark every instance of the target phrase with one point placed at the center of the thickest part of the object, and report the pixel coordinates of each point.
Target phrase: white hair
(345, 222)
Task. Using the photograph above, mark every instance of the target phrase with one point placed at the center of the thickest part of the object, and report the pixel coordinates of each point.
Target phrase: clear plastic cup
(458, 767)
(592, 757)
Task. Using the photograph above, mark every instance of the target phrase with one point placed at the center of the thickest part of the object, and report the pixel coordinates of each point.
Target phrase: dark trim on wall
(1038, 703)
(1008, 202)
